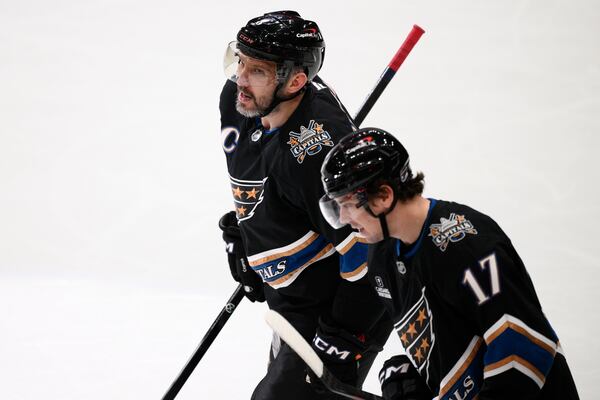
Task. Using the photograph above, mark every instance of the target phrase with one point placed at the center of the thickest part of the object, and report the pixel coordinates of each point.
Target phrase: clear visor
(331, 212)
(248, 71)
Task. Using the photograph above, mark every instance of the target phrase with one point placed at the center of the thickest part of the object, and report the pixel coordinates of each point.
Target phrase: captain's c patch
(229, 138)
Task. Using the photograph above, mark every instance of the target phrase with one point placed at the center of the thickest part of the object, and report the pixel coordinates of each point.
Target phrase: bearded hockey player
(278, 121)
(462, 302)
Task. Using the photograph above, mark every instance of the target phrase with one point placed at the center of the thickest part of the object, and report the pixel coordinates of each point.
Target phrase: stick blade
(290, 335)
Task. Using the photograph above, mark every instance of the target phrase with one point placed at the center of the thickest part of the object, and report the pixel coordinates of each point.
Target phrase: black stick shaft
(207, 340)
(345, 390)
(389, 72)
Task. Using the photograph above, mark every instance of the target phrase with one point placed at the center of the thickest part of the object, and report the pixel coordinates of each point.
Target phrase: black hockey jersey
(466, 310)
(276, 186)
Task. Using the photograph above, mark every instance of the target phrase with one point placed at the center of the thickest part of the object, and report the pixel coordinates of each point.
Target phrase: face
(359, 218)
(256, 85)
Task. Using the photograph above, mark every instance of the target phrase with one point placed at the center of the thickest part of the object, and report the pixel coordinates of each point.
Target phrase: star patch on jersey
(309, 141)
(416, 332)
(451, 229)
(247, 195)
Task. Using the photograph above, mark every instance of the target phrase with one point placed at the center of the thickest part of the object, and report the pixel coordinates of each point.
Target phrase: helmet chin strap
(382, 217)
(384, 225)
(278, 100)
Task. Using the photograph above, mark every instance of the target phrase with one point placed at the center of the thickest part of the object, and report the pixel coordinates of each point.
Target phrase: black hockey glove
(340, 352)
(400, 381)
(236, 256)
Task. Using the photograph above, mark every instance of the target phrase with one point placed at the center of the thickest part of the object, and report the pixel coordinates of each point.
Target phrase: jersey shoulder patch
(451, 229)
(309, 140)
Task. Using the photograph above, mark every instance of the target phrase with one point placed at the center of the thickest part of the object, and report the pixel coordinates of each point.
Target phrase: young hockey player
(278, 121)
(462, 302)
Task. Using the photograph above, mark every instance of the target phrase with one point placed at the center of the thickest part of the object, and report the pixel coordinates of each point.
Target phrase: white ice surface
(112, 176)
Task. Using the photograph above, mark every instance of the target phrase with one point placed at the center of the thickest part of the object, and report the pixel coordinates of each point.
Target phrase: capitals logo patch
(452, 229)
(247, 195)
(309, 141)
(416, 332)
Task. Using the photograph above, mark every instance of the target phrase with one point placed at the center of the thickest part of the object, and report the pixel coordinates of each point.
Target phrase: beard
(256, 107)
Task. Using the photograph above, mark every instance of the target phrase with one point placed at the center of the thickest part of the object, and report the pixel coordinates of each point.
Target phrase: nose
(242, 79)
(344, 216)
(242, 76)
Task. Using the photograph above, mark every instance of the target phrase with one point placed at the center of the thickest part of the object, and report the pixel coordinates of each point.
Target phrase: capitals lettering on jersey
(272, 271)
(452, 229)
(247, 195)
(281, 266)
(416, 333)
(309, 141)
(465, 378)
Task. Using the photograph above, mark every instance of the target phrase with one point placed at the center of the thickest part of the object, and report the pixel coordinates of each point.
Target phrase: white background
(112, 176)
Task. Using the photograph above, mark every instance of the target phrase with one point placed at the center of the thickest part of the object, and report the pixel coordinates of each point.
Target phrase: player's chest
(253, 155)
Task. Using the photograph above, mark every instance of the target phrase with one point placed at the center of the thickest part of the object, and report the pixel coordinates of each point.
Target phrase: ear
(296, 82)
(382, 200)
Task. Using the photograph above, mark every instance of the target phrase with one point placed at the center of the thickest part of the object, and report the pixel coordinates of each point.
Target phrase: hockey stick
(389, 72)
(290, 335)
(207, 340)
(406, 47)
(278, 323)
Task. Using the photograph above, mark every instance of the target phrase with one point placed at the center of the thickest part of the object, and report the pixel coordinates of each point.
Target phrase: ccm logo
(393, 370)
(329, 349)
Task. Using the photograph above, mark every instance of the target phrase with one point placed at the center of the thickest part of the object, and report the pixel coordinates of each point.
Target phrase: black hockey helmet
(357, 160)
(285, 38)
(361, 158)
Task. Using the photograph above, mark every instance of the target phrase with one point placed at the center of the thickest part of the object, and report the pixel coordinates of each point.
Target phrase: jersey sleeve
(493, 290)
(356, 307)
(305, 193)
(326, 123)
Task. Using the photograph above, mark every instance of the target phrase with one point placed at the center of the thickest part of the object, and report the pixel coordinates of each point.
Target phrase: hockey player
(462, 302)
(278, 120)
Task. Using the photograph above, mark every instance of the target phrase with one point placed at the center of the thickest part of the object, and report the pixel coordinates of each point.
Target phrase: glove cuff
(337, 345)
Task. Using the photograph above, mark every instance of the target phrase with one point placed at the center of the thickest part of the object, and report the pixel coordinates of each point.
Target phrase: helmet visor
(331, 212)
(245, 70)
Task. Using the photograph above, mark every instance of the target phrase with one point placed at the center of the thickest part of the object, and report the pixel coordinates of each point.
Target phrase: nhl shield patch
(416, 332)
(452, 229)
(247, 195)
(309, 141)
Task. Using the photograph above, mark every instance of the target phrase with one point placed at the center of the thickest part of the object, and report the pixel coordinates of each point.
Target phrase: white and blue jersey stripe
(279, 267)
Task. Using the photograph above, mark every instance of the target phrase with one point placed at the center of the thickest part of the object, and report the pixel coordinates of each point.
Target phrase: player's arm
(356, 308)
(518, 344)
